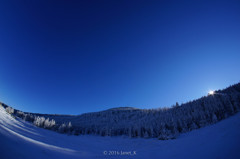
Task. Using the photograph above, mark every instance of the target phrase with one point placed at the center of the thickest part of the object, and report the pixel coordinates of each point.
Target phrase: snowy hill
(22, 140)
(162, 123)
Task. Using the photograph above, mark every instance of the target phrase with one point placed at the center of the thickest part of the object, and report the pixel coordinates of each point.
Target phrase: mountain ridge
(163, 123)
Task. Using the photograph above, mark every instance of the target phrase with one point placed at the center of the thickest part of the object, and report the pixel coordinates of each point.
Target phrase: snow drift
(22, 140)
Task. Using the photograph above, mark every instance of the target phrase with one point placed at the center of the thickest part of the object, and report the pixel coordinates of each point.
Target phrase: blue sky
(71, 57)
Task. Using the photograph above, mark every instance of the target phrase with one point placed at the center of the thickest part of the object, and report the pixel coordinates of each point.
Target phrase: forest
(162, 123)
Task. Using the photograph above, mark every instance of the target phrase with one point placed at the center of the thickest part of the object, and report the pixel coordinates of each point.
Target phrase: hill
(22, 140)
(162, 123)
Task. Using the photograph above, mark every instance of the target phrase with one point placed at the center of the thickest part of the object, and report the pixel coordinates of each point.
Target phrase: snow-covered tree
(39, 121)
(10, 110)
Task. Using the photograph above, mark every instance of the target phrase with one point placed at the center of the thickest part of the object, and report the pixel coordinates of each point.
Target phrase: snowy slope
(22, 140)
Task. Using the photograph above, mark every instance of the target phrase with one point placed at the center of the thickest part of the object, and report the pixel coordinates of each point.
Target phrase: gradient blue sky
(71, 57)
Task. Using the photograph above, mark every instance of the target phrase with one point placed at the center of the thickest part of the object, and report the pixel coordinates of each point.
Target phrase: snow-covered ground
(22, 140)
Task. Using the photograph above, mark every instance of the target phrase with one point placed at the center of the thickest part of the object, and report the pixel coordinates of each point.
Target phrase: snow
(22, 140)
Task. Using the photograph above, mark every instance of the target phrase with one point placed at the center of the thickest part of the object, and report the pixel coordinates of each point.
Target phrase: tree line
(162, 123)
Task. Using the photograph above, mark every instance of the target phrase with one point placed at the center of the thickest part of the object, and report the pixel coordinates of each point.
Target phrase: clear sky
(71, 57)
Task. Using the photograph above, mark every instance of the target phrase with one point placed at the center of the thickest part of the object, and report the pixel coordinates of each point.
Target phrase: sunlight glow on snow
(211, 92)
